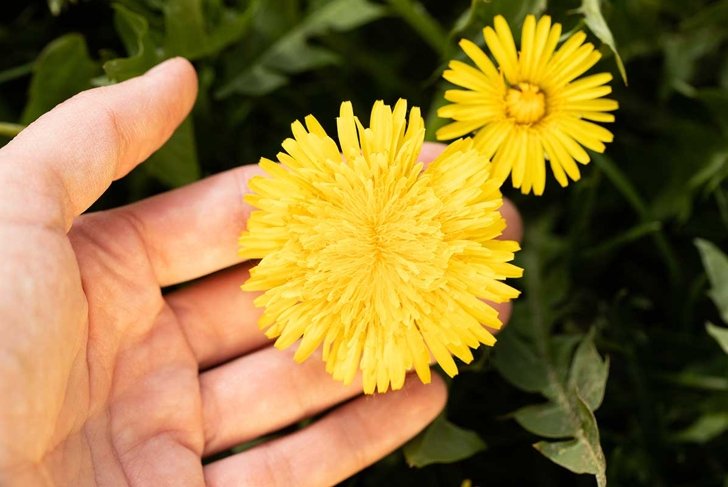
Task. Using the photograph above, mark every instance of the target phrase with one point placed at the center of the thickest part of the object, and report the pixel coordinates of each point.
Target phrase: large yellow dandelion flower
(372, 259)
(532, 108)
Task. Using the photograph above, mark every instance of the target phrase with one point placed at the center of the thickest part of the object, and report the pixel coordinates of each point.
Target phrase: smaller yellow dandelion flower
(371, 259)
(532, 108)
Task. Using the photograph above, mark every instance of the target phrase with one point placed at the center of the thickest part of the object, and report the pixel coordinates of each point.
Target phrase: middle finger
(263, 392)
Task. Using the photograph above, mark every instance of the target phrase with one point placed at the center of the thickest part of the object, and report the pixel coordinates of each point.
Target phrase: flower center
(525, 103)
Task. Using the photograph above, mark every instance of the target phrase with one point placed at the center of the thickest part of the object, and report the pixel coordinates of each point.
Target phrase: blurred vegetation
(622, 323)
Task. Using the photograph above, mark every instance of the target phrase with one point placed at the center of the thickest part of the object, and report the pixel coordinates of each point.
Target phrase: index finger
(193, 231)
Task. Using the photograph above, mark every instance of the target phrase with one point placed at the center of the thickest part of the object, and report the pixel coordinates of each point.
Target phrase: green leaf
(341, 16)
(260, 80)
(482, 12)
(561, 348)
(292, 53)
(229, 28)
(287, 58)
(194, 29)
(550, 420)
(517, 360)
(683, 53)
(713, 174)
(632, 234)
(548, 364)
(698, 381)
(186, 33)
(713, 14)
(592, 12)
(142, 53)
(573, 455)
(589, 373)
(16, 72)
(63, 69)
(583, 454)
(716, 266)
(184, 27)
(56, 6)
(175, 164)
(10, 129)
(719, 333)
(709, 426)
(442, 442)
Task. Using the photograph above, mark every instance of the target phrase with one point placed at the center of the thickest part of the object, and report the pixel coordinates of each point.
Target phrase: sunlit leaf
(134, 32)
(184, 27)
(63, 69)
(10, 130)
(708, 426)
(193, 31)
(716, 266)
(56, 6)
(720, 334)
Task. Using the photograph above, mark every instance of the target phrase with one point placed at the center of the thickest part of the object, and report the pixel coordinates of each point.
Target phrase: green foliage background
(619, 325)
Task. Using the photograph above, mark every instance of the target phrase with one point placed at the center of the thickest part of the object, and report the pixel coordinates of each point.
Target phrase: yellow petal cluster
(531, 108)
(367, 256)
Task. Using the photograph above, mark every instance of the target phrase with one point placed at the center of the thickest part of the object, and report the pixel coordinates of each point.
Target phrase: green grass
(612, 268)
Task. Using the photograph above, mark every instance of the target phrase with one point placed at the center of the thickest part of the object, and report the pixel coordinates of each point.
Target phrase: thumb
(60, 164)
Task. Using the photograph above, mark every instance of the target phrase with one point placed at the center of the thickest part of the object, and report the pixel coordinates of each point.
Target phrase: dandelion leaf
(133, 29)
(589, 373)
(292, 53)
(592, 12)
(550, 420)
(63, 69)
(583, 454)
(720, 334)
(716, 266)
(442, 442)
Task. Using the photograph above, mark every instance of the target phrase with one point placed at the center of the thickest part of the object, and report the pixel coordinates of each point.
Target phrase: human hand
(106, 380)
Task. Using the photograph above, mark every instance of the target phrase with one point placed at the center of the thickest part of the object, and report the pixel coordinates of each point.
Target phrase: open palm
(105, 380)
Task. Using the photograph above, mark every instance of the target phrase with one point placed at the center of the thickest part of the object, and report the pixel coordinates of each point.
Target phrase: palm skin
(131, 400)
(105, 380)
